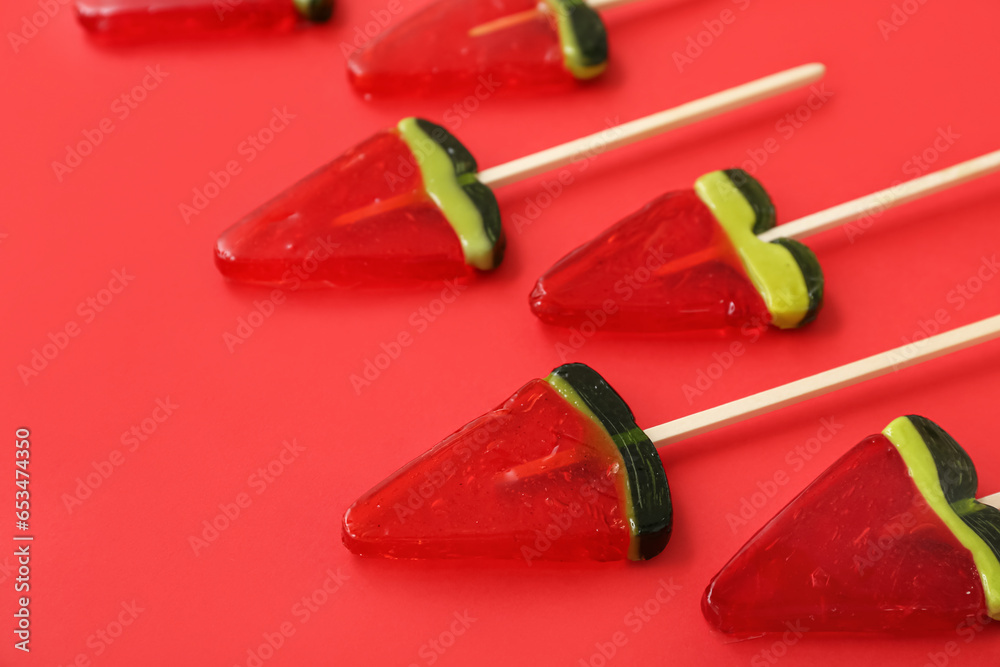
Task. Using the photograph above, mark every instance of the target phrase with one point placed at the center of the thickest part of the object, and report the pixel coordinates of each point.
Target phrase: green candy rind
(317, 11)
(583, 38)
(785, 273)
(946, 477)
(812, 274)
(650, 509)
(449, 172)
(755, 194)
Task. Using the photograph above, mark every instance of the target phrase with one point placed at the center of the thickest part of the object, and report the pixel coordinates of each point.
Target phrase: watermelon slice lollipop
(495, 45)
(559, 471)
(687, 261)
(402, 206)
(889, 538)
(136, 20)
(408, 205)
(711, 259)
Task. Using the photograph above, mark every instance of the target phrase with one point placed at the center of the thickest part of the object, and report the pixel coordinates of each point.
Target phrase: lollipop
(409, 205)
(503, 44)
(711, 259)
(560, 470)
(561, 455)
(134, 20)
(888, 538)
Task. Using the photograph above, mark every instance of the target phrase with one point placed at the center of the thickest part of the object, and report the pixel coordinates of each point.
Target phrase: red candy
(432, 51)
(858, 550)
(129, 20)
(667, 267)
(346, 225)
(532, 479)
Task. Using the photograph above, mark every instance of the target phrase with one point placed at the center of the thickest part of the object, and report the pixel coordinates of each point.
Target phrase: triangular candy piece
(889, 538)
(559, 471)
(483, 47)
(401, 207)
(141, 20)
(687, 261)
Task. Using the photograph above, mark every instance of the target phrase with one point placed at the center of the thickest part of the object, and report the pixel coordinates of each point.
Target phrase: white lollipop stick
(886, 199)
(606, 4)
(643, 128)
(827, 381)
(993, 500)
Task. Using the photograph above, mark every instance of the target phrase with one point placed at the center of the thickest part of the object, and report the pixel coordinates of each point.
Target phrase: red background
(162, 336)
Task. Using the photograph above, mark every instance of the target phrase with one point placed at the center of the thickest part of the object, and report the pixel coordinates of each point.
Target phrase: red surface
(167, 334)
(533, 479)
(344, 225)
(433, 52)
(141, 20)
(859, 550)
(667, 267)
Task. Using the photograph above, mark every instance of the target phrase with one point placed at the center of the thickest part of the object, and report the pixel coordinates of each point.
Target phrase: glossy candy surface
(637, 265)
(380, 214)
(537, 478)
(483, 46)
(680, 263)
(887, 539)
(137, 20)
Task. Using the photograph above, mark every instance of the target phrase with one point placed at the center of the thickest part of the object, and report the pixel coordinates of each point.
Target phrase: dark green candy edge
(959, 482)
(653, 512)
(812, 273)
(764, 216)
(318, 11)
(465, 170)
(591, 35)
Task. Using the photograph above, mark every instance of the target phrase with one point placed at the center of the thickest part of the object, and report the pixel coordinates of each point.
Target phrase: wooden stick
(827, 381)
(993, 501)
(542, 9)
(606, 4)
(509, 21)
(627, 133)
(886, 199)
